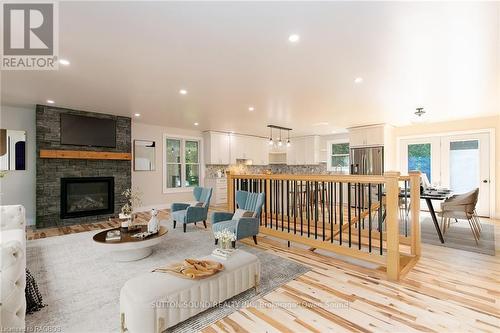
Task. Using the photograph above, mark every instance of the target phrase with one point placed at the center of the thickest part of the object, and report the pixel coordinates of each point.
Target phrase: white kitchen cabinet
(250, 148)
(303, 151)
(216, 148)
(367, 136)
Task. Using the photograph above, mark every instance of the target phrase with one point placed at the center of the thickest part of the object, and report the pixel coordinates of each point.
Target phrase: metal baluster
(361, 189)
(323, 207)
(341, 211)
(294, 206)
(369, 217)
(282, 206)
(349, 210)
(307, 209)
(406, 208)
(300, 210)
(288, 203)
(380, 216)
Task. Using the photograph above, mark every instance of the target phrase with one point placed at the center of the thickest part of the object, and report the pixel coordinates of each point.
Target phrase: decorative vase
(225, 244)
(124, 224)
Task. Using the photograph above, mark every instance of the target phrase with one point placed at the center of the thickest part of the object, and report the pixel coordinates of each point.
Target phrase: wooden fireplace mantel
(84, 155)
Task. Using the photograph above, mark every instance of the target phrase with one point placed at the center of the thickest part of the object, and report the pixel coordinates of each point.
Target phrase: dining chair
(462, 206)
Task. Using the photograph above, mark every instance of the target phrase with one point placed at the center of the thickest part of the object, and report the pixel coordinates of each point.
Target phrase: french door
(465, 165)
(458, 162)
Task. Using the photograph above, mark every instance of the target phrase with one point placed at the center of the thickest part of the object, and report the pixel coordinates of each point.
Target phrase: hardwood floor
(447, 291)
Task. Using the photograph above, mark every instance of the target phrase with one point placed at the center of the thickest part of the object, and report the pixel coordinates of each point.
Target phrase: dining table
(429, 196)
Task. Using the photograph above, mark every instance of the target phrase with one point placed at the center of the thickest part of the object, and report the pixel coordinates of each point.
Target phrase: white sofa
(13, 268)
(152, 302)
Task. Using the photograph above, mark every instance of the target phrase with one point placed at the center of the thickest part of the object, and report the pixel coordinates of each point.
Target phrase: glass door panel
(464, 165)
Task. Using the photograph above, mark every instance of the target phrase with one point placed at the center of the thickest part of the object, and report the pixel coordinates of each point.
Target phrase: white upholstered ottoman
(154, 301)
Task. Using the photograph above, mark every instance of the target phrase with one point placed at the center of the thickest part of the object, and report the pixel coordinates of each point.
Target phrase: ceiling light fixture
(251, 108)
(183, 92)
(137, 114)
(420, 112)
(64, 62)
(358, 80)
(294, 38)
(196, 124)
(280, 141)
(50, 101)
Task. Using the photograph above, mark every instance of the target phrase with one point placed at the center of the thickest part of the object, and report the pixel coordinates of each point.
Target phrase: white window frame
(329, 166)
(201, 163)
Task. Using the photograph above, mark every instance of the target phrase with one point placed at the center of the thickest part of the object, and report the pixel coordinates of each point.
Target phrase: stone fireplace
(67, 192)
(87, 196)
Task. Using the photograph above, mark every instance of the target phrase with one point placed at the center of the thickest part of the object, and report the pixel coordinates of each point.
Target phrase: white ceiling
(130, 57)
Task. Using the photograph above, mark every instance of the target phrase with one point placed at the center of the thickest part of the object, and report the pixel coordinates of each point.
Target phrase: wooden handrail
(365, 179)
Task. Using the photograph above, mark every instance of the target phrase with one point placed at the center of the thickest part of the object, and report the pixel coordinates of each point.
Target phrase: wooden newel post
(415, 212)
(230, 191)
(392, 223)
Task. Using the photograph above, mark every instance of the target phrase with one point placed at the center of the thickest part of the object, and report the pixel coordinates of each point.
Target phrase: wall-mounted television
(87, 131)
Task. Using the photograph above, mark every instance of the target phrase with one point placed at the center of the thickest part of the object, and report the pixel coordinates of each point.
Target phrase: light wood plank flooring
(447, 291)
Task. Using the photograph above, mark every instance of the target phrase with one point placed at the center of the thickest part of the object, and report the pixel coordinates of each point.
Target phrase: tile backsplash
(320, 169)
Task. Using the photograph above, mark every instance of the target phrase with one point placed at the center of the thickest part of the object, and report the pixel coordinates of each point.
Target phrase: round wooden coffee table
(129, 248)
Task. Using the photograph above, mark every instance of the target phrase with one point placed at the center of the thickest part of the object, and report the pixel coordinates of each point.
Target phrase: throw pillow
(239, 213)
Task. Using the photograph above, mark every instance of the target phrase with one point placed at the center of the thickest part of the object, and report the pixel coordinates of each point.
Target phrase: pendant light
(280, 143)
(271, 136)
(288, 144)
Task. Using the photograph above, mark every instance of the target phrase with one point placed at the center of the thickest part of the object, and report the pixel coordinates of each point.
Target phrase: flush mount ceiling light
(294, 38)
(251, 108)
(420, 112)
(183, 92)
(358, 80)
(50, 101)
(64, 62)
(419, 115)
(196, 124)
(137, 114)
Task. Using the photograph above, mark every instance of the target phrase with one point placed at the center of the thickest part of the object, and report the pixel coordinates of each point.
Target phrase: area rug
(459, 236)
(81, 283)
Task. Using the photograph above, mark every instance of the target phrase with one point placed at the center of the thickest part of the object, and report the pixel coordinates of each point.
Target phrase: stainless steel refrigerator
(367, 161)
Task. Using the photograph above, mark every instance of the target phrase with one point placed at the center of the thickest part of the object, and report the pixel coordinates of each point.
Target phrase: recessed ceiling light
(64, 62)
(195, 124)
(183, 92)
(294, 38)
(50, 101)
(358, 80)
(137, 114)
(251, 108)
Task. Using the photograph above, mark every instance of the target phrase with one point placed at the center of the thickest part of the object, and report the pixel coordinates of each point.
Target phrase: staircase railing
(373, 218)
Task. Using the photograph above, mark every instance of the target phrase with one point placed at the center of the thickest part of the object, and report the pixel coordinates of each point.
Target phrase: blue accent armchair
(185, 213)
(244, 226)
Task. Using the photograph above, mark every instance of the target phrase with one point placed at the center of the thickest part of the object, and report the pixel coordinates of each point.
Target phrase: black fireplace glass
(87, 196)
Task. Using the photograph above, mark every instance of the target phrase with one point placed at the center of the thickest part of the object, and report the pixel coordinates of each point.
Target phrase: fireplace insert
(87, 196)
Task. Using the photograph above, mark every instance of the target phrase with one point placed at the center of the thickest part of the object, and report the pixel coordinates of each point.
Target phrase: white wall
(18, 187)
(150, 183)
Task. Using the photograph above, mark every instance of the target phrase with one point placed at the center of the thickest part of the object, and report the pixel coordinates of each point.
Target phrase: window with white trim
(181, 163)
(338, 156)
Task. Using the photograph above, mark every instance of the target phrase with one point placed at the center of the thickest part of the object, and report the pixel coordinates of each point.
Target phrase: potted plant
(132, 200)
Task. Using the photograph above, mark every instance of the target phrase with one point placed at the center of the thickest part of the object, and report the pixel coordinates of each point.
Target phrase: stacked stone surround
(50, 171)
